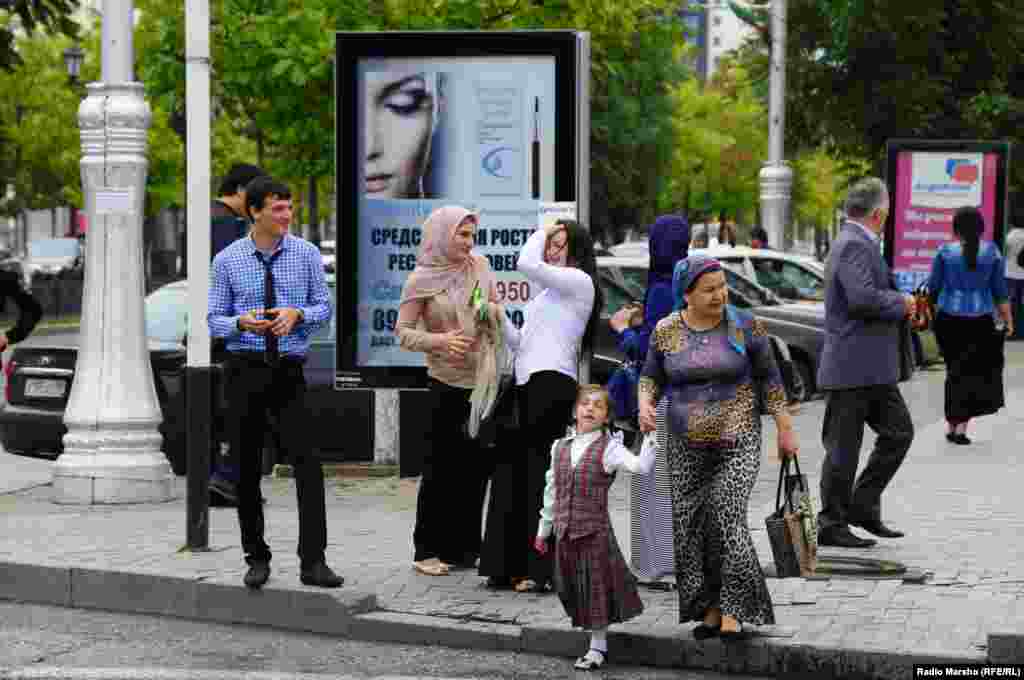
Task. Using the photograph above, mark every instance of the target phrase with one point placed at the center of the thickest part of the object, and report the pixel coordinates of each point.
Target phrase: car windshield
(54, 247)
(167, 316)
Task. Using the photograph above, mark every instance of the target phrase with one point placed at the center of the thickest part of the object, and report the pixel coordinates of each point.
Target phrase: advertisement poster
(930, 186)
(473, 132)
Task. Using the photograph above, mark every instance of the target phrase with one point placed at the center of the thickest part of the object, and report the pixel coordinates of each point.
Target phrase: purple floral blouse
(717, 381)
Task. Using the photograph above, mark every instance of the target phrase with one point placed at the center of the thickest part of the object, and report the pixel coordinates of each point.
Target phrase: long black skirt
(973, 351)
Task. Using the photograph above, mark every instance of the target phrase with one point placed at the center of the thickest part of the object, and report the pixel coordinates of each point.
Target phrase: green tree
(861, 72)
(52, 17)
(720, 141)
(273, 76)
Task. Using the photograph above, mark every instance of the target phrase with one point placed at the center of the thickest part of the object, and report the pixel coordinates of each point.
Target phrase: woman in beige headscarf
(436, 317)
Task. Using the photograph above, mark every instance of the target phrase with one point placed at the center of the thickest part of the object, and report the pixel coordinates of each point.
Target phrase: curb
(72, 673)
(356, 615)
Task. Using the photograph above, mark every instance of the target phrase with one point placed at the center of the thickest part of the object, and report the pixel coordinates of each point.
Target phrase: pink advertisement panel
(930, 186)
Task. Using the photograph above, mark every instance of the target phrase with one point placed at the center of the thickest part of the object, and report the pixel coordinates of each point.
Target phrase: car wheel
(803, 381)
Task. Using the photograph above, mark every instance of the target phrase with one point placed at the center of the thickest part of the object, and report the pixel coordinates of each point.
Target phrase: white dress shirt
(1014, 244)
(555, 319)
(616, 457)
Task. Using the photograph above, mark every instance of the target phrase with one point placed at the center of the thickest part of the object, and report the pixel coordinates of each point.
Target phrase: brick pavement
(961, 508)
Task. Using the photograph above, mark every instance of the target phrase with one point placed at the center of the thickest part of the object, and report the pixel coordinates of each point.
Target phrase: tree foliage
(52, 17)
(861, 72)
(272, 75)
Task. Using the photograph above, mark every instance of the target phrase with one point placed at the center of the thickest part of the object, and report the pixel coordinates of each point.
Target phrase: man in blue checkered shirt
(268, 295)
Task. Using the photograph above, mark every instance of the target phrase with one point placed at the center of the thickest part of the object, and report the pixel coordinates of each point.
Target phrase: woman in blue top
(968, 283)
(650, 507)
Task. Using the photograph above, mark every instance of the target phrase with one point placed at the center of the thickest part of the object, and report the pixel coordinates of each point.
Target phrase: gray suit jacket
(863, 316)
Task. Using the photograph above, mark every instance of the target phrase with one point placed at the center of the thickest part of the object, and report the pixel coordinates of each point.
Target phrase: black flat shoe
(703, 631)
(960, 439)
(842, 537)
(951, 437)
(498, 583)
(875, 526)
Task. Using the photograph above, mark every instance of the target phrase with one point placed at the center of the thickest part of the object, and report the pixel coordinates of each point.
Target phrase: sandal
(431, 567)
(591, 661)
(742, 633)
(527, 585)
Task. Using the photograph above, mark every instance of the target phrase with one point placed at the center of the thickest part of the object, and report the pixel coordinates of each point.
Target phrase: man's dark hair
(759, 233)
(238, 178)
(580, 251)
(256, 192)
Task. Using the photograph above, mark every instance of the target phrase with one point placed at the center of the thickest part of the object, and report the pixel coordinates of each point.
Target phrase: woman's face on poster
(399, 118)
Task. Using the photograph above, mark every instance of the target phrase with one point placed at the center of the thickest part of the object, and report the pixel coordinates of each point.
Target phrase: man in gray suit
(859, 371)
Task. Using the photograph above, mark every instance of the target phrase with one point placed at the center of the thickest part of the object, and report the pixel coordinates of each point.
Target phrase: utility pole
(198, 372)
(776, 177)
(112, 448)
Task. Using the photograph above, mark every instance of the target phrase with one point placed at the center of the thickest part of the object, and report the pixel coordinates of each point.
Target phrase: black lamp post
(73, 58)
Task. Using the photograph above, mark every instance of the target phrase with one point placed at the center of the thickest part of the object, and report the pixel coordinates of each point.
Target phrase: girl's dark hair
(969, 224)
(580, 250)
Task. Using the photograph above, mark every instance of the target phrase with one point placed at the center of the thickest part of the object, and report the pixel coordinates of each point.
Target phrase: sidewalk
(961, 507)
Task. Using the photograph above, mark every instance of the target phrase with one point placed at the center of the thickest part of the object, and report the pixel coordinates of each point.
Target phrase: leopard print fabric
(716, 563)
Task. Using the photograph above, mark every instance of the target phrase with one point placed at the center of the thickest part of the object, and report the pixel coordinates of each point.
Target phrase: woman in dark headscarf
(651, 552)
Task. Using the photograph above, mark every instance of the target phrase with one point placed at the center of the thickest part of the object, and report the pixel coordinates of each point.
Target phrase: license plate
(38, 387)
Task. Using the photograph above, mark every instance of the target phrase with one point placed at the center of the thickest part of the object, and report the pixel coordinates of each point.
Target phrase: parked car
(51, 257)
(800, 326)
(790, 276)
(40, 372)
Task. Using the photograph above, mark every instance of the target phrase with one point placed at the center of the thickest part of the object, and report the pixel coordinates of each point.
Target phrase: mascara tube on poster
(535, 148)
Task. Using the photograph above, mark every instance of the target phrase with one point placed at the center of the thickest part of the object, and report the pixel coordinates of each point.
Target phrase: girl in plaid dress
(591, 576)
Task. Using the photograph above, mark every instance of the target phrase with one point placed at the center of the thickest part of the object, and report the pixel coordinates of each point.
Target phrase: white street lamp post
(112, 447)
(776, 177)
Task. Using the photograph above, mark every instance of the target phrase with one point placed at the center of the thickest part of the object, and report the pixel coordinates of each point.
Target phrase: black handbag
(504, 416)
(792, 527)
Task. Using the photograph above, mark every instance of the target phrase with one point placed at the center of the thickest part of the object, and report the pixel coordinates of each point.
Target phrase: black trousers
(882, 408)
(546, 410)
(253, 389)
(450, 501)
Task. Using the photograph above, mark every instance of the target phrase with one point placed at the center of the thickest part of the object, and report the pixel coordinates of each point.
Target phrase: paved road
(36, 636)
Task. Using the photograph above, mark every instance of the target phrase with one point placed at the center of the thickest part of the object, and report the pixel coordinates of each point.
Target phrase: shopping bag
(792, 527)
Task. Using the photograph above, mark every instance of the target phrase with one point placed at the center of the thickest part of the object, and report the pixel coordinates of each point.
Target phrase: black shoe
(960, 439)
(875, 526)
(842, 537)
(499, 583)
(703, 631)
(257, 575)
(951, 437)
(322, 576)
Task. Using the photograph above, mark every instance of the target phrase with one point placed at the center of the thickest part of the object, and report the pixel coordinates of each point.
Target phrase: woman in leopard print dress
(715, 368)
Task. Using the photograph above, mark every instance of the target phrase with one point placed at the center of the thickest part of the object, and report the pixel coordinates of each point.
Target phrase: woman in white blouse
(559, 326)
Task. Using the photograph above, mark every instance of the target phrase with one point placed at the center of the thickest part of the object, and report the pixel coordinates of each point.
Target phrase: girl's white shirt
(616, 457)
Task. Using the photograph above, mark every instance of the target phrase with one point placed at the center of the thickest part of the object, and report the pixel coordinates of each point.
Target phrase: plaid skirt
(594, 583)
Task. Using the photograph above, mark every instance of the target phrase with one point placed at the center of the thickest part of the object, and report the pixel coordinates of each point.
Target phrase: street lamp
(73, 58)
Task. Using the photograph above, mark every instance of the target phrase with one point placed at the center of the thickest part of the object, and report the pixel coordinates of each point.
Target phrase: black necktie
(270, 353)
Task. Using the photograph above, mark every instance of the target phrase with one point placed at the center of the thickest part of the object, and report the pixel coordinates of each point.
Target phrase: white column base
(385, 431)
(112, 477)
